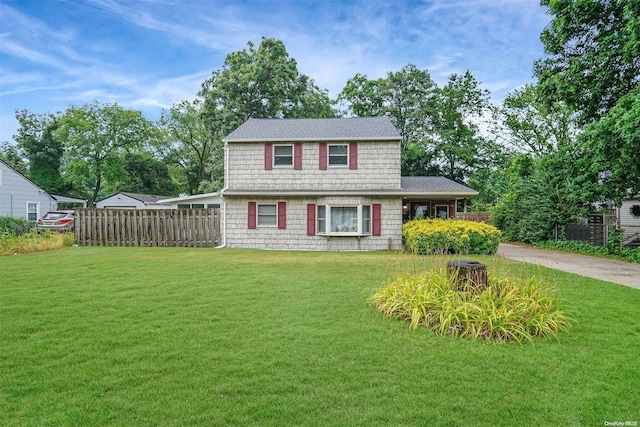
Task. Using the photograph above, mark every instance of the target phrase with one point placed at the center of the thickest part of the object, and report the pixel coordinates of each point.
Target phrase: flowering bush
(441, 236)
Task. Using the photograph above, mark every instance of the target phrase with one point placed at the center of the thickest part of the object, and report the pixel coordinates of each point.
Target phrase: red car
(61, 221)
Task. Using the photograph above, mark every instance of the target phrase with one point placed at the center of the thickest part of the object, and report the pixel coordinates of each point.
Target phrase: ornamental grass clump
(442, 236)
(508, 310)
(33, 242)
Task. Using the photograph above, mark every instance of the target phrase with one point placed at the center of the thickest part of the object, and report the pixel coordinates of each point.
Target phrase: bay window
(343, 220)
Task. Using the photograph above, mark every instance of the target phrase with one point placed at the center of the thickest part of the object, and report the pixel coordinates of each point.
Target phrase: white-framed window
(282, 155)
(343, 220)
(33, 211)
(338, 155)
(267, 215)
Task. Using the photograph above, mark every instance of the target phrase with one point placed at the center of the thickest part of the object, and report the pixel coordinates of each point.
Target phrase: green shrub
(14, 226)
(438, 236)
(508, 310)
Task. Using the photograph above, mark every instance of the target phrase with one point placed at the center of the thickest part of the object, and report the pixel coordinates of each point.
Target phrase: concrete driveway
(623, 273)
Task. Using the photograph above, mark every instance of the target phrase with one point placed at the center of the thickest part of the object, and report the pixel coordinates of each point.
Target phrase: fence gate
(595, 230)
(147, 227)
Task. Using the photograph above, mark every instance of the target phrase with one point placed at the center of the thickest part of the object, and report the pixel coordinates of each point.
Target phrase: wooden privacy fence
(147, 227)
(474, 216)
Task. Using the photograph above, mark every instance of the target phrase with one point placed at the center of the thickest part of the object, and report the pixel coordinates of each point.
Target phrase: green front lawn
(177, 336)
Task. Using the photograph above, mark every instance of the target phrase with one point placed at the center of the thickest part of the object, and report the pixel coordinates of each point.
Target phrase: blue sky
(150, 54)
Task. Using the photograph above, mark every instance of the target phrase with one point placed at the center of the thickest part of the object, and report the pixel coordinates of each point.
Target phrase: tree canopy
(593, 65)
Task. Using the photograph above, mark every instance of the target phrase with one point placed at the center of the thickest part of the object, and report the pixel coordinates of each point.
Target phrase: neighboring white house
(629, 218)
(317, 184)
(131, 201)
(20, 197)
(197, 201)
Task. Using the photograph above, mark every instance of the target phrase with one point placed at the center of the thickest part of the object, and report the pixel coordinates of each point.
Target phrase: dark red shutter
(311, 219)
(323, 156)
(252, 215)
(282, 215)
(268, 157)
(353, 155)
(376, 219)
(297, 156)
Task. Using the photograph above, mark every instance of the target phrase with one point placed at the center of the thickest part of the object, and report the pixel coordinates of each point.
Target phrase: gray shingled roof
(354, 128)
(145, 198)
(433, 184)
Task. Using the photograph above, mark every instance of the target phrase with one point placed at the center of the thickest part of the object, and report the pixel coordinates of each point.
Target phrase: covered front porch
(433, 197)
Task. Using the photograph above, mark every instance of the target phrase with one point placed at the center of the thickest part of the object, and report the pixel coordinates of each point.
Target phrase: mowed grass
(178, 336)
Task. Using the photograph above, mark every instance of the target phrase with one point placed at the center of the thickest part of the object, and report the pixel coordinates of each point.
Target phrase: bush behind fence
(147, 227)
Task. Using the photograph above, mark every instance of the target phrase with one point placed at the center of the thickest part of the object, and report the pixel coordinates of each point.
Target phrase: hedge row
(442, 236)
(14, 226)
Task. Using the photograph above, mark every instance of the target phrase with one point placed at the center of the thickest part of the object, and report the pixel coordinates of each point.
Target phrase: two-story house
(318, 184)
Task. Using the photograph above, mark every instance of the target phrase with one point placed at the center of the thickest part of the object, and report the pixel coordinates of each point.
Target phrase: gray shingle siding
(378, 168)
(294, 237)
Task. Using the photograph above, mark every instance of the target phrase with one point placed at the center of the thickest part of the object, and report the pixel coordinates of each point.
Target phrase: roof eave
(372, 192)
(258, 140)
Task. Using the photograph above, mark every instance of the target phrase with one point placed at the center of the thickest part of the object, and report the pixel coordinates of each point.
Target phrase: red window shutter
(282, 215)
(311, 219)
(268, 157)
(252, 215)
(353, 155)
(323, 156)
(297, 156)
(376, 219)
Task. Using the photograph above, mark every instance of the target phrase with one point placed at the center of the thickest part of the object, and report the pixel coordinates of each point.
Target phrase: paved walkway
(623, 273)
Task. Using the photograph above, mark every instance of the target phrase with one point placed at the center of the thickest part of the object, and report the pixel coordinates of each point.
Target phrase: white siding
(629, 223)
(295, 235)
(17, 192)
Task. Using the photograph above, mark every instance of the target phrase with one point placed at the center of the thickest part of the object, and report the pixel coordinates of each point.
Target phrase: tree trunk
(468, 276)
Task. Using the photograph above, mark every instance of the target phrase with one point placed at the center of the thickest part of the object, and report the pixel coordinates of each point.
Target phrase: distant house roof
(145, 198)
(189, 198)
(433, 185)
(339, 129)
(68, 199)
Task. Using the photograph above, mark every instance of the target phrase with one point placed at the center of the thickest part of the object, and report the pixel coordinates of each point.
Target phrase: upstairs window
(339, 155)
(282, 155)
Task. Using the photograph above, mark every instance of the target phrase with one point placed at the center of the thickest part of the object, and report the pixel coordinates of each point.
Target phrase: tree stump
(468, 276)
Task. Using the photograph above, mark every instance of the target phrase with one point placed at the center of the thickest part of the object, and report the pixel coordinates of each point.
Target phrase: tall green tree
(534, 126)
(439, 126)
(44, 153)
(455, 139)
(262, 82)
(191, 146)
(97, 136)
(592, 64)
(409, 96)
(12, 155)
(144, 174)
